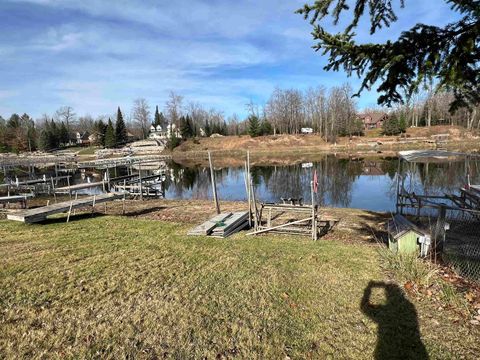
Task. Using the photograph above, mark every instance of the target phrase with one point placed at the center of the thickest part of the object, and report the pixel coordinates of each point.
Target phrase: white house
(82, 138)
(158, 132)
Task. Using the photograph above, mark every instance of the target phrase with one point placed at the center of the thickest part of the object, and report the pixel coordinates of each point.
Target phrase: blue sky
(96, 55)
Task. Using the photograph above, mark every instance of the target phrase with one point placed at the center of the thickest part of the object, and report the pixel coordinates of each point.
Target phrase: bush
(408, 267)
(173, 142)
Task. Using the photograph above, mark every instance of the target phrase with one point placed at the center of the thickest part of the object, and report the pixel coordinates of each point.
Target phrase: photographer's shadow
(398, 331)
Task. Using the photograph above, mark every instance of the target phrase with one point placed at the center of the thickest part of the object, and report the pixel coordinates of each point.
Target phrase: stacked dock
(222, 225)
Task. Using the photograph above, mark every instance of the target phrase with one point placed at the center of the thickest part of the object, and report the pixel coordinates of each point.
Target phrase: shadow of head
(396, 317)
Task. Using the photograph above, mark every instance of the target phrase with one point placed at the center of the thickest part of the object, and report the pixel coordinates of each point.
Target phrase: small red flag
(315, 181)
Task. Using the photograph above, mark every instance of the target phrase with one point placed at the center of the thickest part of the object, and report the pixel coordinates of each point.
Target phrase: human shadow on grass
(398, 330)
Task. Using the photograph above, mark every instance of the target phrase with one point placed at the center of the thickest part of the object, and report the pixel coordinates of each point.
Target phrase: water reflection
(358, 183)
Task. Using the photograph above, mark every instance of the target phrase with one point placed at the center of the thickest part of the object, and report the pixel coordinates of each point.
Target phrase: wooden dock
(40, 214)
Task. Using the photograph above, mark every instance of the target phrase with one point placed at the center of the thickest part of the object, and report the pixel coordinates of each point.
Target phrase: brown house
(373, 120)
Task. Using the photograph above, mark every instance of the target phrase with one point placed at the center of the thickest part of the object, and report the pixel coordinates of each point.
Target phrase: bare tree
(198, 116)
(174, 108)
(141, 115)
(315, 103)
(85, 123)
(68, 116)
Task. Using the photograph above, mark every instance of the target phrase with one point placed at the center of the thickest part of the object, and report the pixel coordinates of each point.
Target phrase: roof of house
(83, 136)
(372, 117)
(399, 226)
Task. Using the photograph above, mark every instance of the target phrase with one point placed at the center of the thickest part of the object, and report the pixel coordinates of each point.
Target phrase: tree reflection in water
(341, 182)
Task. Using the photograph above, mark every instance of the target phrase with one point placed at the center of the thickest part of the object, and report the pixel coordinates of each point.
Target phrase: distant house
(157, 132)
(82, 138)
(373, 120)
(306, 130)
(131, 137)
(94, 138)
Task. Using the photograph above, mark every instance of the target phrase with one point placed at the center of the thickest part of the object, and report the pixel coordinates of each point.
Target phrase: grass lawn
(111, 287)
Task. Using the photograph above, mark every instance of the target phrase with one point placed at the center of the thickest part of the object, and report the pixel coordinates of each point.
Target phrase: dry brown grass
(279, 148)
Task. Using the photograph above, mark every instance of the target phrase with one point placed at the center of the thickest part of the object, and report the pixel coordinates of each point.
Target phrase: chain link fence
(455, 238)
(461, 247)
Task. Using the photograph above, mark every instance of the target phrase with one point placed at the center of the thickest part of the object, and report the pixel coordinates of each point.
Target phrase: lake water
(356, 183)
(362, 183)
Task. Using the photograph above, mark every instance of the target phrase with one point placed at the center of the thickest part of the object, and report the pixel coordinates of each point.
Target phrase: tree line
(329, 112)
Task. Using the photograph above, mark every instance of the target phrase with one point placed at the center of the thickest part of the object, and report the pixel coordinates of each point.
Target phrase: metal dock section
(41, 213)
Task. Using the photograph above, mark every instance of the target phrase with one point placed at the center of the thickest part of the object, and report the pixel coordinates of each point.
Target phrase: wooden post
(214, 184)
(249, 177)
(247, 187)
(69, 211)
(124, 195)
(140, 178)
(314, 220)
(93, 204)
(76, 197)
(69, 191)
(255, 219)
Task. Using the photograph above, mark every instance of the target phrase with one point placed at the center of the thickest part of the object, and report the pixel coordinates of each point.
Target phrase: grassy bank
(109, 287)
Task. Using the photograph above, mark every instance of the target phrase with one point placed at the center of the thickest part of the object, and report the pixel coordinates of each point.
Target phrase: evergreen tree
(159, 119)
(447, 55)
(14, 121)
(356, 128)
(173, 141)
(46, 142)
(3, 135)
(216, 128)
(266, 128)
(63, 134)
(54, 135)
(110, 138)
(391, 126)
(186, 127)
(100, 129)
(120, 129)
(253, 126)
(402, 123)
(208, 130)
